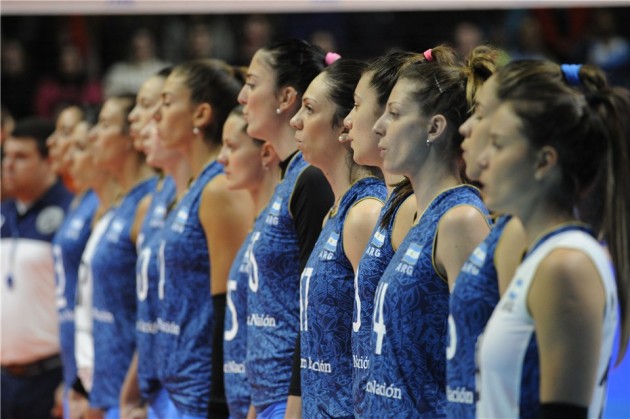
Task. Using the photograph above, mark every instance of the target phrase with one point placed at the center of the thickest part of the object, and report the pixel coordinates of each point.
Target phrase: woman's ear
(287, 97)
(202, 115)
(546, 160)
(437, 127)
(268, 155)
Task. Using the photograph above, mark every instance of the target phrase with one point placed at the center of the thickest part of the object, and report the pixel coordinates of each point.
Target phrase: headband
(331, 57)
(572, 73)
(428, 54)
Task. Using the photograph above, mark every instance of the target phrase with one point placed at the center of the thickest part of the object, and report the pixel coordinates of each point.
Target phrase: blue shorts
(274, 411)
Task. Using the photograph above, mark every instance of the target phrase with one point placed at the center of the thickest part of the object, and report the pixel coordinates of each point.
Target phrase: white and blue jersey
(326, 298)
(186, 312)
(373, 263)
(68, 246)
(273, 296)
(147, 279)
(114, 300)
(237, 390)
(473, 298)
(407, 375)
(509, 369)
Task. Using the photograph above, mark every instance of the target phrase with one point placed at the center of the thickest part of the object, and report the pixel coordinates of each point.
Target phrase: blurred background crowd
(51, 61)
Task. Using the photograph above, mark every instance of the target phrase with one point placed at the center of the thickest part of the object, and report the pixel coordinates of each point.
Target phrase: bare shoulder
(364, 213)
(463, 217)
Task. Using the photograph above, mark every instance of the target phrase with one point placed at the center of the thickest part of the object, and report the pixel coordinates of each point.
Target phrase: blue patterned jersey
(373, 263)
(68, 245)
(114, 300)
(273, 296)
(186, 313)
(326, 298)
(407, 375)
(473, 298)
(237, 390)
(147, 279)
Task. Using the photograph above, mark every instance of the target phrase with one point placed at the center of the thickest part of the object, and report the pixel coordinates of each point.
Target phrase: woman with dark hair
(199, 240)
(420, 140)
(326, 286)
(276, 79)
(546, 349)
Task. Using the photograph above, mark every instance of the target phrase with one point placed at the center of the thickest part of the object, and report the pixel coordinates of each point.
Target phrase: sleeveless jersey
(474, 296)
(147, 278)
(114, 300)
(186, 313)
(68, 246)
(326, 295)
(509, 367)
(237, 390)
(407, 375)
(273, 296)
(83, 336)
(373, 263)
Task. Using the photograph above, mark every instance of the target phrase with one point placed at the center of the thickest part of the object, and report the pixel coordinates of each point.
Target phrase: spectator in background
(257, 32)
(126, 77)
(467, 36)
(609, 50)
(59, 143)
(29, 352)
(17, 80)
(69, 86)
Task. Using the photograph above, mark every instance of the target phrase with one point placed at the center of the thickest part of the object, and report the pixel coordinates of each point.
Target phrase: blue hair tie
(572, 73)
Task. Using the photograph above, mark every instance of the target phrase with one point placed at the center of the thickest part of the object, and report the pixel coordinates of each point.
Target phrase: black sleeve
(562, 411)
(77, 386)
(312, 199)
(217, 407)
(295, 386)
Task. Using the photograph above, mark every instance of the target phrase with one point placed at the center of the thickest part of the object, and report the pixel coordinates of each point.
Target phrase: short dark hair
(38, 129)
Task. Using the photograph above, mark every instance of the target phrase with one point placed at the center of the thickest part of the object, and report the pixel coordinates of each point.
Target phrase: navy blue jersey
(68, 246)
(273, 296)
(147, 279)
(186, 313)
(326, 298)
(30, 327)
(407, 375)
(473, 298)
(237, 390)
(114, 300)
(373, 263)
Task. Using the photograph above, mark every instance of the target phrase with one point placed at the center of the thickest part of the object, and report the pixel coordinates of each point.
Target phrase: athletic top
(237, 390)
(68, 246)
(30, 326)
(147, 278)
(114, 300)
(509, 370)
(186, 313)
(326, 295)
(474, 296)
(373, 263)
(407, 375)
(273, 296)
(84, 339)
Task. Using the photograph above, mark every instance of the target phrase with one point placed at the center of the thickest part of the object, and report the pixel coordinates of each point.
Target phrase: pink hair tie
(331, 57)
(428, 54)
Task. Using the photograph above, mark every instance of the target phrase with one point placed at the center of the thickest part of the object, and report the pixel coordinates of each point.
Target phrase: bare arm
(566, 301)
(130, 396)
(509, 252)
(141, 212)
(358, 228)
(460, 231)
(226, 217)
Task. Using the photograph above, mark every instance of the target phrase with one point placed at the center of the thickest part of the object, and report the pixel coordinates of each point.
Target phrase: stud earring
(428, 143)
(278, 111)
(196, 130)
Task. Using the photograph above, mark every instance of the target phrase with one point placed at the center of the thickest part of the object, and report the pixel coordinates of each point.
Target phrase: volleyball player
(326, 284)
(420, 141)
(277, 77)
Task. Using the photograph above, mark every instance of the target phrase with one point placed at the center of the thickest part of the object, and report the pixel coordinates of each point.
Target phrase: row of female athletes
(320, 251)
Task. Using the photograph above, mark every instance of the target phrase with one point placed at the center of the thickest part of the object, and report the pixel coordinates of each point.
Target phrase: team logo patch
(116, 228)
(331, 243)
(157, 217)
(379, 238)
(180, 220)
(49, 220)
(412, 254)
(275, 208)
(478, 256)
